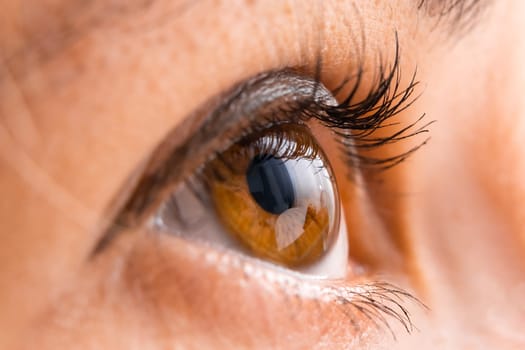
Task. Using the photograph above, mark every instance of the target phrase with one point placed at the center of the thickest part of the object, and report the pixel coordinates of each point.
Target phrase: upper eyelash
(384, 100)
(277, 144)
(353, 121)
(356, 122)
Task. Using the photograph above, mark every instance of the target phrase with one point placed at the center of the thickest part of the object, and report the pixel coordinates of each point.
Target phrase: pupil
(270, 184)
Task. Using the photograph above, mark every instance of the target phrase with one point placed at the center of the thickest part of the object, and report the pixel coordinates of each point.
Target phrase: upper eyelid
(239, 109)
(228, 113)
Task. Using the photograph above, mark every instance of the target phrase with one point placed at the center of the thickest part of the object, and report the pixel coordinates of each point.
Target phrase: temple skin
(88, 91)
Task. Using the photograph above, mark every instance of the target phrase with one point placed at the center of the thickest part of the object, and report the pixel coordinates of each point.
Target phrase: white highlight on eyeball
(289, 226)
(335, 262)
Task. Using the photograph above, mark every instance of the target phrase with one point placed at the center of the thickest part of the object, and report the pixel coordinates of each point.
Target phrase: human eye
(271, 193)
(256, 176)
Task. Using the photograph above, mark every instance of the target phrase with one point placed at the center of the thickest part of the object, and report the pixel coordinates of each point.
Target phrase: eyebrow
(445, 7)
(454, 16)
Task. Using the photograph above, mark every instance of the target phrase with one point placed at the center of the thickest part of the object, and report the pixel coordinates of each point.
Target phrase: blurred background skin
(87, 89)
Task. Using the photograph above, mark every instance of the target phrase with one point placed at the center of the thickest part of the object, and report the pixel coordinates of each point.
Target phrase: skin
(78, 116)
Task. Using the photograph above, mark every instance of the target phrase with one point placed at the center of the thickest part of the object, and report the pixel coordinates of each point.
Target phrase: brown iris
(275, 193)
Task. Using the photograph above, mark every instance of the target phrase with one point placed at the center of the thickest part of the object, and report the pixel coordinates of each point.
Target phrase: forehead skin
(79, 111)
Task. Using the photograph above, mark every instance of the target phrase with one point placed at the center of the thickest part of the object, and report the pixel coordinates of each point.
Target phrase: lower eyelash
(381, 303)
(361, 311)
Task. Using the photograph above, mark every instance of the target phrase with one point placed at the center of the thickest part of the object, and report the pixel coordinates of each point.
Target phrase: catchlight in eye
(271, 195)
(275, 193)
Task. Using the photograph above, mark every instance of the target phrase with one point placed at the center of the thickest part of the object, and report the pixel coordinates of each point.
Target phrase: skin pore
(88, 90)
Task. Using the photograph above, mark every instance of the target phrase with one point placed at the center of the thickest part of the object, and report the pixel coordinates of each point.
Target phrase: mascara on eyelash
(353, 122)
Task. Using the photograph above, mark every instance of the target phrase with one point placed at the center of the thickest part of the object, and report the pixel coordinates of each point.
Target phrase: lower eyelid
(225, 296)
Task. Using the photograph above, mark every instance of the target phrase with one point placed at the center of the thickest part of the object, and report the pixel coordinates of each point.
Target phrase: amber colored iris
(297, 236)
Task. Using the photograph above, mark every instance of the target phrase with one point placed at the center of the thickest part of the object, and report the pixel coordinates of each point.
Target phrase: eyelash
(354, 123)
(378, 302)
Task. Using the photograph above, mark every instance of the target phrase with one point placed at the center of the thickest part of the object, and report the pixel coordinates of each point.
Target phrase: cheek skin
(143, 291)
(223, 301)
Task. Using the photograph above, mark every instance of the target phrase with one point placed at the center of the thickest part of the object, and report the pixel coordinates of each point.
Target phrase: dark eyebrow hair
(455, 16)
